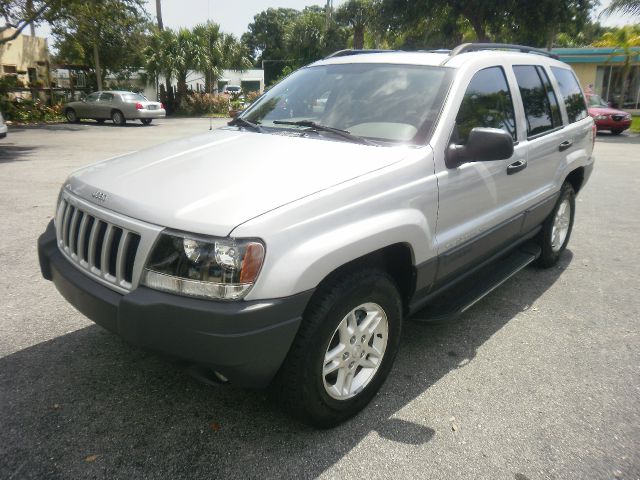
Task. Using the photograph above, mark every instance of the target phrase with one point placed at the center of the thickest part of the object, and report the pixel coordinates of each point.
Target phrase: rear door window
(571, 94)
(134, 97)
(538, 98)
(106, 97)
(486, 103)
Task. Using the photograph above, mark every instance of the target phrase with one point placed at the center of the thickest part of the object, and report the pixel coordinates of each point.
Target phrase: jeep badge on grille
(100, 196)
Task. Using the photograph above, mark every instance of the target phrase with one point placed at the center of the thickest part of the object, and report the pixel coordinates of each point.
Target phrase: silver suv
(365, 189)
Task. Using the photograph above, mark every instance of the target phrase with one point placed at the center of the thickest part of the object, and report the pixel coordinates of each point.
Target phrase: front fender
(309, 239)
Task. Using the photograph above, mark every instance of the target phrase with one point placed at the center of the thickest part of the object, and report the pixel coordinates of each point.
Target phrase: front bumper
(245, 341)
(612, 124)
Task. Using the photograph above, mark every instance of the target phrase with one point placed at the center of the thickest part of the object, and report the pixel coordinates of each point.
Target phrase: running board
(459, 298)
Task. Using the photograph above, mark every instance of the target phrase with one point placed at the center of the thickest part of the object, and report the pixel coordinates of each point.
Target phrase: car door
(105, 105)
(544, 140)
(579, 128)
(475, 217)
(88, 107)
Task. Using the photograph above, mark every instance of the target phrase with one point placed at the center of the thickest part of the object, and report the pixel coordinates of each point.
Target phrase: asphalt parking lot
(540, 380)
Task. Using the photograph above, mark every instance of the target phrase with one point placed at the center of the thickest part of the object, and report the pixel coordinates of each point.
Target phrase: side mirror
(483, 145)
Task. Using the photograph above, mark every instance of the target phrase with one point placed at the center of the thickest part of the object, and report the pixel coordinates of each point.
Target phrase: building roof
(594, 54)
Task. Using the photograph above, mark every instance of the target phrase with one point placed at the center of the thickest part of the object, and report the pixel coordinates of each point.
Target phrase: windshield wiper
(241, 122)
(323, 128)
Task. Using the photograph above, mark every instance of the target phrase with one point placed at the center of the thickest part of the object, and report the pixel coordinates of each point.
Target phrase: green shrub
(29, 111)
(205, 103)
(251, 97)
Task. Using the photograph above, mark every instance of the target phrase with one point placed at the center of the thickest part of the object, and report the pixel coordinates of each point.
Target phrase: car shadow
(74, 127)
(625, 137)
(87, 405)
(15, 153)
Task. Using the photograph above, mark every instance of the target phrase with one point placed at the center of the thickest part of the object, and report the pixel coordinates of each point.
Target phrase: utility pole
(328, 11)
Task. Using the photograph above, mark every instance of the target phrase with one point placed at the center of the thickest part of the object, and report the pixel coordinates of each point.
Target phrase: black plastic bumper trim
(246, 341)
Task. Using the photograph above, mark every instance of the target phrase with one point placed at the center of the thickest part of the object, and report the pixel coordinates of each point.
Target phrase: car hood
(605, 111)
(211, 183)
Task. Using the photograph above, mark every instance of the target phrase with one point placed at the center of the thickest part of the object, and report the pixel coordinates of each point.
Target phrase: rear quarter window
(571, 93)
(134, 97)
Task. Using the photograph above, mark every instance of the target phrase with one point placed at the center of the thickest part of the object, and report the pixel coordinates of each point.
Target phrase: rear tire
(146, 121)
(616, 132)
(71, 115)
(344, 349)
(556, 229)
(117, 117)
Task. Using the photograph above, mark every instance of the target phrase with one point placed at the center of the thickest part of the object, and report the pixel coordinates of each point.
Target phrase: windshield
(597, 101)
(398, 103)
(134, 97)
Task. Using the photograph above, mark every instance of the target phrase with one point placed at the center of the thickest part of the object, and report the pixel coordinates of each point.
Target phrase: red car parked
(608, 118)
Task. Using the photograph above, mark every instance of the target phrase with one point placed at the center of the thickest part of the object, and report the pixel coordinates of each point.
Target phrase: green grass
(635, 124)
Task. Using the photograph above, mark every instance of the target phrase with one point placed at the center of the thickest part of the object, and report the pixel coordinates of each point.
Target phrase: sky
(234, 15)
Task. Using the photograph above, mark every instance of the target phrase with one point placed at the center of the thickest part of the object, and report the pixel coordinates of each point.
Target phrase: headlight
(204, 267)
(601, 117)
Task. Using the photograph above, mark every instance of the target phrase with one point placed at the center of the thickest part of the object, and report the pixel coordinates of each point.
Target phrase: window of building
(486, 103)
(33, 75)
(9, 69)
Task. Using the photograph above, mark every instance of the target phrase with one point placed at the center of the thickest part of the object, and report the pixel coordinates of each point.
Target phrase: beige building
(26, 58)
(601, 71)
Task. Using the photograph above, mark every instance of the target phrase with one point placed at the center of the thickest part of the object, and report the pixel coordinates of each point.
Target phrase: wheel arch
(576, 179)
(397, 260)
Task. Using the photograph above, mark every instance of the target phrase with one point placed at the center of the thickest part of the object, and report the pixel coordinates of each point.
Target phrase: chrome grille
(97, 246)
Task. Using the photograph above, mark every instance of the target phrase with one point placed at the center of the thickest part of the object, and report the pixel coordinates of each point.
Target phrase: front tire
(344, 349)
(117, 117)
(556, 229)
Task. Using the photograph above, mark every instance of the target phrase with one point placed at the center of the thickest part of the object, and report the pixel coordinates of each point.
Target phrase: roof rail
(351, 51)
(475, 47)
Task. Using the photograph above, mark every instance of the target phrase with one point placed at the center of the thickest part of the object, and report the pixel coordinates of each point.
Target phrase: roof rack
(351, 51)
(475, 47)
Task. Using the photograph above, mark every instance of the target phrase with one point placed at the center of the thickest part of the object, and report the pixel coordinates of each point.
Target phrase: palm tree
(627, 7)
(188, 54)
(221, 50)
(357, 14)
(159, 60)
(626, 41)
(208, 35)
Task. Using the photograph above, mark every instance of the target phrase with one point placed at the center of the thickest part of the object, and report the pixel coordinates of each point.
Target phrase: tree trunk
(478, 28)
(29, 8)
(159, 14)
(182, 88)
(208, 81)
(358, 37)
(551, 37)
(96, 64)
(169, 92)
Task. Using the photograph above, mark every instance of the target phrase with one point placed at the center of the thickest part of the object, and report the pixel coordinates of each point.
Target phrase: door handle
(515, 167)
(564, 145)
